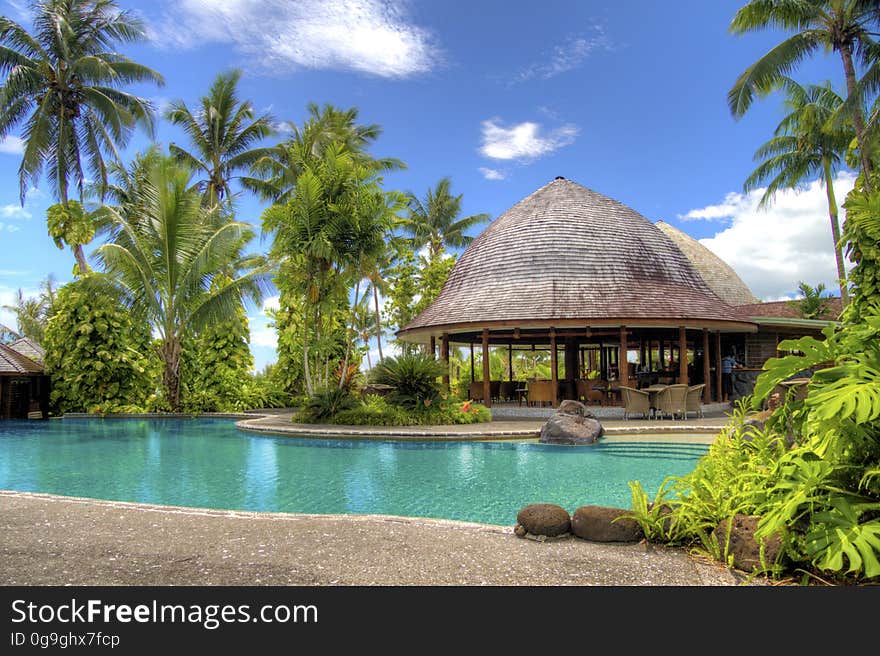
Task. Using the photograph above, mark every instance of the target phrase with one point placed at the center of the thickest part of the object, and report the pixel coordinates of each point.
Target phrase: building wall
(760, 346)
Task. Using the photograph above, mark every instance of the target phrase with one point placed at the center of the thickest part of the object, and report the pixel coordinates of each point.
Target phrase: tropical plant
(862, 235)
(167, 257)
(97, 352)
(64, 84)
(275, 175)
(216, 364)
(842, 26)
(807, 143)
(811, 305)
(327, 403)
(413, 377)
(433, 221)
(32, 313)
(223, 132)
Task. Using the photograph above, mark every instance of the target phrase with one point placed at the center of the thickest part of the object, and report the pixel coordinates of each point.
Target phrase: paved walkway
(51, 540)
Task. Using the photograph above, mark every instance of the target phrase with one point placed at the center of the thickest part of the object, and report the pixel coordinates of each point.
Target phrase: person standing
(728, 364)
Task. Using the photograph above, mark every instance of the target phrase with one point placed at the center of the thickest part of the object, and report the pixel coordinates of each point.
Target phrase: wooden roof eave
(422, 335)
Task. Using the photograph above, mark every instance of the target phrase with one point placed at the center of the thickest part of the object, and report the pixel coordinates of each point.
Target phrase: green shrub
(413, 377)
(324, 405)
(97, 352)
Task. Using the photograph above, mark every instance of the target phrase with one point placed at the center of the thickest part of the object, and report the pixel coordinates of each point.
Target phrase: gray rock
(543, 519)
(597, 524)
(572, 423)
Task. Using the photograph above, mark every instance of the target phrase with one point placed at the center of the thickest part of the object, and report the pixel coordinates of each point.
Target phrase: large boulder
(597, 524)
(543, 519)
(572, 423)
(743, 550)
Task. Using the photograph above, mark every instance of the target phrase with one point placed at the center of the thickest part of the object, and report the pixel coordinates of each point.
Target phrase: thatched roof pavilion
(569, 265)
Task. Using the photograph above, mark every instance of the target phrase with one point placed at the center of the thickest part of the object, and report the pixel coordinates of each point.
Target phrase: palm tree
(30, 316)
(275, 174)
(434, 221)
(842, 26)
(223, 132)
(64, 84)
(167, 259)
(806, 144)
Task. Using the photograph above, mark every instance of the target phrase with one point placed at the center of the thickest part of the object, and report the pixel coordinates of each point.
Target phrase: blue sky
(626, 97)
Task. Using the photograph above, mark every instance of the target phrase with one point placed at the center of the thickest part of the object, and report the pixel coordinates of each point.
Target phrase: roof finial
(560, 177)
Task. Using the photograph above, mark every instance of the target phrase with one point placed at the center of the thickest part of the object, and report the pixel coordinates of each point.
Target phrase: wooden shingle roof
(29, 348)
(785, 310)
(719, 275)
(566, 252)
(13, 362)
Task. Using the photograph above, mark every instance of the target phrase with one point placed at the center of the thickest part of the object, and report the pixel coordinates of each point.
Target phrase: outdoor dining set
(657, 401)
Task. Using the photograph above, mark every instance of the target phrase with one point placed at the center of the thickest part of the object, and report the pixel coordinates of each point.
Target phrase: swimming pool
(209, 463)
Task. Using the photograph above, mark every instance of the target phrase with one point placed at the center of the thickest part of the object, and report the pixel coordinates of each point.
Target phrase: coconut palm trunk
(170, 353)
(835, 230)
(378, 320)
(858, 116)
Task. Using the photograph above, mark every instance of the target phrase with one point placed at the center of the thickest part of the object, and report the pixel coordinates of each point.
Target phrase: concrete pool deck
(48, 540)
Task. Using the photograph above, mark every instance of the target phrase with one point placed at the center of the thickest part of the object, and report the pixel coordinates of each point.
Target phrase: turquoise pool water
(209, 463)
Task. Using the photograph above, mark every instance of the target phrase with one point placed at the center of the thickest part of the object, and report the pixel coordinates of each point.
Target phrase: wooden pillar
(487, 388)
(433, 348)
(603, 361)
(662, 357)
(473, 377)
(622, 364)
(571, 367)
(707, 390)
(510, 362)
(718, 385)
(444, 357)
(554, 372)
(683, 352)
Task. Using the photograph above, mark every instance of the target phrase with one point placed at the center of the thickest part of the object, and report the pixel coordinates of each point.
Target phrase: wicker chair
(672, 401)
(635, 402)
(693, 403)
(540, 392)
(475, 391)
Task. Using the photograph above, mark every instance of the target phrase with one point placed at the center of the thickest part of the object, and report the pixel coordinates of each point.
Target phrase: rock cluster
(541, 521)
(572, 423)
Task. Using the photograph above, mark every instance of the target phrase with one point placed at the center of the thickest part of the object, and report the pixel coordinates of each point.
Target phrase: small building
(573, 270)
(24, 386)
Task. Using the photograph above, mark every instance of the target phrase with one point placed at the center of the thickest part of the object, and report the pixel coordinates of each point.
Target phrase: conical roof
(719, 275)
(566, 252)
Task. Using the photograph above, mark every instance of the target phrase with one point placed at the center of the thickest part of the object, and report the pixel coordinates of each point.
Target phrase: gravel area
(49, 540)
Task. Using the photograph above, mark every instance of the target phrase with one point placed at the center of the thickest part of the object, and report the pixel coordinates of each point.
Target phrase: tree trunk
(343, 375)
(858, 117)
(378, 320)
(78, 254)
(171, 374)
(835, 231)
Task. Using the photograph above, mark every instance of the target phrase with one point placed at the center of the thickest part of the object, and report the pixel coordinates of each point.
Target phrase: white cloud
(775, 248)
(568, 56)
(492, 174)
(14, 212)
(368, 36)
(264, 337)
(12, 228)
(523, 141)
(11, 145)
